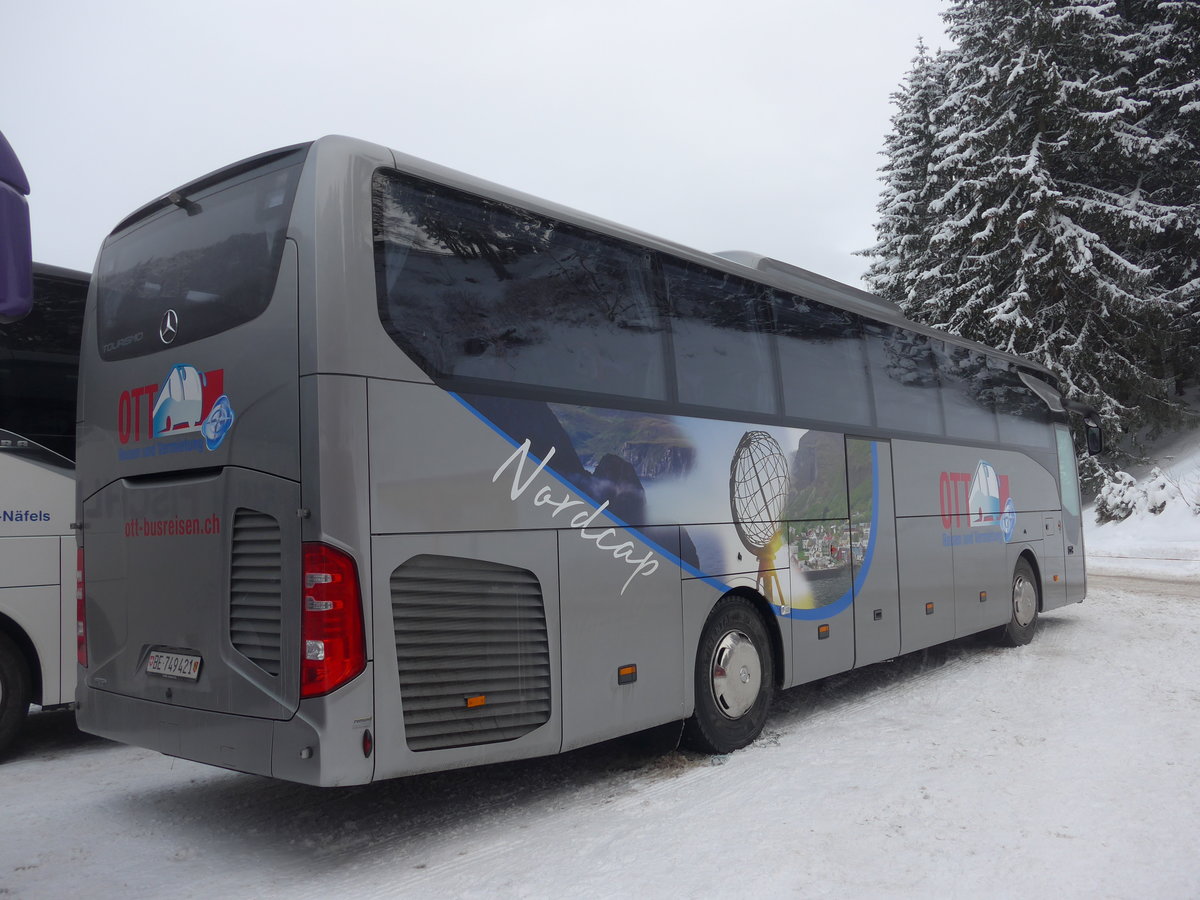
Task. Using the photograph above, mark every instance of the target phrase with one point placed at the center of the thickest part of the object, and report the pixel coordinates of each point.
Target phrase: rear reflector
(81, 653)
(331, 621)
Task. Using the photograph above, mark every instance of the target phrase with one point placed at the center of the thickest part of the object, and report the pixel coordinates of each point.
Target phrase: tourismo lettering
(582, 520)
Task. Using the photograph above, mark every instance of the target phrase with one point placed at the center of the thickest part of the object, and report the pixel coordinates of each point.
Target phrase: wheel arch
(33, 663)
(1029, 556)
(770, 621)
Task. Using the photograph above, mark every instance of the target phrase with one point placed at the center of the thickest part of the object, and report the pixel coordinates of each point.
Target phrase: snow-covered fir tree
(1058, 214)
(901, 258)
(1163, 52)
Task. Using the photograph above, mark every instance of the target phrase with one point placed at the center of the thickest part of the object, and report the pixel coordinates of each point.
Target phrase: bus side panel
(443, 639)
(29, 595)
(635, 624)
(981, 582)
(822, 613)
(35, 612)
(926, 574)
(437, 467)
(876, 599)
(817, 653)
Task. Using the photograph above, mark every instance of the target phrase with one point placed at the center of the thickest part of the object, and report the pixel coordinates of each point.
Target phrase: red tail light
(332, 644)
(80, 612)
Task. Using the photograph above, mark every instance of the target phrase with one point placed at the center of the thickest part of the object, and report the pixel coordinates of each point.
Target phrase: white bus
(473, 477)
(38, 367)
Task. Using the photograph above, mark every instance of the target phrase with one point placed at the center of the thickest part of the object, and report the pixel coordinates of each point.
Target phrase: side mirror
(1095, 439)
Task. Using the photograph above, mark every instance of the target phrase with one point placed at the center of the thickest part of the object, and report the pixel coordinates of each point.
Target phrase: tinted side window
(474, 288)
(722, 354)
(1022, 416)
(39, 365)
(904, 379)
(968, 393)
(823, 363)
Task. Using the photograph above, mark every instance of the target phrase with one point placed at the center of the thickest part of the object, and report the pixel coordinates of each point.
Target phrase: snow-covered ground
(1067, 768)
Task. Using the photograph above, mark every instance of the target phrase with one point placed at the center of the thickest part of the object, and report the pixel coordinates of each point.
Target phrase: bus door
(1072, 519)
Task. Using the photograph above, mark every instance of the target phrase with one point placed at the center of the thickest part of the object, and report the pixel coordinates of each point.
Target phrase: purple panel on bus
(16, 256)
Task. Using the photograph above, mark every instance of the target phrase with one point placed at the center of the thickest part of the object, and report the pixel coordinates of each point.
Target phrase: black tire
(14, 691)
(731, 711)
(1025, 599)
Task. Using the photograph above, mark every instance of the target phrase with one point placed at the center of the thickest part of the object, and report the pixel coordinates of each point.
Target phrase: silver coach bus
(384, 469)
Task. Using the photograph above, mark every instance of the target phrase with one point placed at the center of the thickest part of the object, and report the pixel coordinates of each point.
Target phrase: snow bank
(1166, 544)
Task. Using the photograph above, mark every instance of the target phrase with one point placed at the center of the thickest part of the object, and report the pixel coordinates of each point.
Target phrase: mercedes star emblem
(169, 327)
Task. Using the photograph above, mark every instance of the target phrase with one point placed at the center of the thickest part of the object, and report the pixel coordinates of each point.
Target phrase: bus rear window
(211, 256)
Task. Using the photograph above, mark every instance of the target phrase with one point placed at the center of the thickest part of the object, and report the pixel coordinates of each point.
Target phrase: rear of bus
(217, 619)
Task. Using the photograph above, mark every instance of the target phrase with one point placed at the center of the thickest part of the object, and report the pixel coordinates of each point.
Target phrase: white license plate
(173, 665)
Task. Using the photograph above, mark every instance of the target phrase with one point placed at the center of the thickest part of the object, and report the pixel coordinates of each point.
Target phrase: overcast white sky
(753, 126)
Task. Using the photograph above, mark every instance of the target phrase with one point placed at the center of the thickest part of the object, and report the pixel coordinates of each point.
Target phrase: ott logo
(980, 499)
(188, 400)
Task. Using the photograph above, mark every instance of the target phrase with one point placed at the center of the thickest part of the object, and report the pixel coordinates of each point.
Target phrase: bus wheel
(735, 679)
(14, 691)
(1023, 623)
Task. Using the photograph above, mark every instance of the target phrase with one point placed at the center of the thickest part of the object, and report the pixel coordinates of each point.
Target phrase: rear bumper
(294, 749)
(219, 739)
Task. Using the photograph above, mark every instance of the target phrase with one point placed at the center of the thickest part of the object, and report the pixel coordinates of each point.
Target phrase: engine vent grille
(255, 589)
(465, 630)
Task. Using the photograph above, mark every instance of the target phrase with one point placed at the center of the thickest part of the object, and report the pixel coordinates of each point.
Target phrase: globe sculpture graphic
(758, 486)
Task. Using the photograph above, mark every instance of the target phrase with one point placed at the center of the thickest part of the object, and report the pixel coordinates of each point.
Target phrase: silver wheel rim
(735, 674)
(1024, 600)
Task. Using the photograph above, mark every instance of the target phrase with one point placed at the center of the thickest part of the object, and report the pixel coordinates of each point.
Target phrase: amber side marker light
(476, 701)
(627, 674)
(822, 632)
(929, 609)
